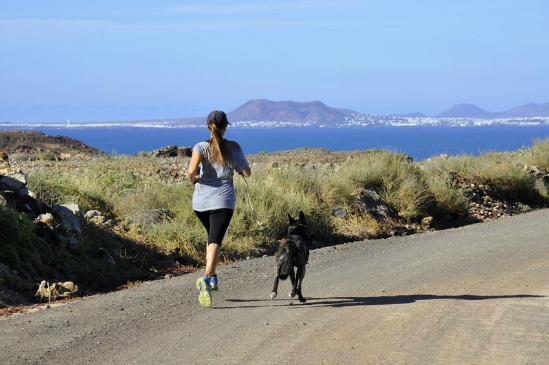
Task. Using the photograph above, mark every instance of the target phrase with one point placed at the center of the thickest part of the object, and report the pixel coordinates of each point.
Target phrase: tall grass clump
(538, 155)
(21, 249)
(508, 176)
(274, 193)
(502, 171)
(399, 181)
(450, 199)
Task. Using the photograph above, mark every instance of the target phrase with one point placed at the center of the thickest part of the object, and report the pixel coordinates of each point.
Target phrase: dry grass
(153, 217)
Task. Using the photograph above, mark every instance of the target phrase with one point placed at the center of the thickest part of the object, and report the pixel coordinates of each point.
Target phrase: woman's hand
(246, 172)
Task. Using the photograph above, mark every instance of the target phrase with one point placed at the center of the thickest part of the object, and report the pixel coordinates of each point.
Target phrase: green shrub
(502, 171)
(449, 199)
(21, 249)
(394, 177)
(538, 155)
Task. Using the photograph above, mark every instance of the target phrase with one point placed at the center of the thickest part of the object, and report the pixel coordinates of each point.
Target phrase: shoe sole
(204, 298)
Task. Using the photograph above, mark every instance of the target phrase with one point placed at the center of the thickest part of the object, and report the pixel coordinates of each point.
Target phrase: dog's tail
(284, 258)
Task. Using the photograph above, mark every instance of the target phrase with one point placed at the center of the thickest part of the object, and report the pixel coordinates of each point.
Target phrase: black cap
(219, 118)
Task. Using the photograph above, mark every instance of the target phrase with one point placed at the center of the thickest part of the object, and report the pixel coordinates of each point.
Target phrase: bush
(21, 249)
(399, 181)
(538, 155)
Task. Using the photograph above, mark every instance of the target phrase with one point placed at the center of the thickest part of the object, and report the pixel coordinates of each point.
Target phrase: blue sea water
(418, 142)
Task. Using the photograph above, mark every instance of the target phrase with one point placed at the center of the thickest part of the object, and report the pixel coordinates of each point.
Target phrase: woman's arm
(193, 167)
(246, 171)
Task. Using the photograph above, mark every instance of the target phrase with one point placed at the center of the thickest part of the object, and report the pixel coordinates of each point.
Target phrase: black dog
(293, 252)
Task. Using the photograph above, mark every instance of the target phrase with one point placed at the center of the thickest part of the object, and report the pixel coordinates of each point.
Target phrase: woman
(211, 172)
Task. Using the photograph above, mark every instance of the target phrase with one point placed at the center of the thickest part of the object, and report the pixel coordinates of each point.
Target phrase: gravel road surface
(473, 295)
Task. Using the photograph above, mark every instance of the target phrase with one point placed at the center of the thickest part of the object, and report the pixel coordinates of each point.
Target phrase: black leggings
(216, 223)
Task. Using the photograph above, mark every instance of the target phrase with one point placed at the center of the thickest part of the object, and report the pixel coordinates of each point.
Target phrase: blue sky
(132, 59)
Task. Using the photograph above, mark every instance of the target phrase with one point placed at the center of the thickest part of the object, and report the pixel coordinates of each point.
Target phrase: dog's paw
(302, 300)
(292, 294)
(273, 295)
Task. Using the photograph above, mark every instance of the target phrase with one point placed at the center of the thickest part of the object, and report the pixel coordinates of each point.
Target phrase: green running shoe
(205, 296)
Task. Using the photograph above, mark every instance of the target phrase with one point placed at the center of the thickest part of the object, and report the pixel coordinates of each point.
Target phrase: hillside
(472, 111)
(31, 142)
(288, 111)
(465, 111)
(528, 110)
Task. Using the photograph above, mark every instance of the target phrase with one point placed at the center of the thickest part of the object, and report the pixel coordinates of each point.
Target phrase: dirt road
(474, 295)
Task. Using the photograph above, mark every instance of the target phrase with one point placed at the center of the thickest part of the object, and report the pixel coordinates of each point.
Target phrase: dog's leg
(275, 287)
(294, 283)
(300, 276)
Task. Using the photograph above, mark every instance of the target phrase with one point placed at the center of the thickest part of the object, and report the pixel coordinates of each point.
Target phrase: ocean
(418, 142)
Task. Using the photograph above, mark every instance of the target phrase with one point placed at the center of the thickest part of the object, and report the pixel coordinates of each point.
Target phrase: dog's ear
(292, 221)
(302, 218)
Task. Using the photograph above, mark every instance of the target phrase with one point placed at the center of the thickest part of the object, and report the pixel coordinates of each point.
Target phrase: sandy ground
(474, 295)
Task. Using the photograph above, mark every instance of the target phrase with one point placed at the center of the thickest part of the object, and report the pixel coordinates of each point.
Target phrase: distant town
(373, 120)
(355, 120)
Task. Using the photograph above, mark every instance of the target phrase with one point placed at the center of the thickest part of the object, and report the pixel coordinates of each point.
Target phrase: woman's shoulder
(232, 144)
(201, 146)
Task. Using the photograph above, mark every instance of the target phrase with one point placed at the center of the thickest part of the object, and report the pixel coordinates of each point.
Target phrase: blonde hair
(218, 151)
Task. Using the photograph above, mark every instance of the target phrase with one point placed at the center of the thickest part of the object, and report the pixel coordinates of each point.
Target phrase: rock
(12, 180)
(70, 217)
(46, 220)
(27, 201)
(538, 172)
(27, 192)
(168, 151)
(14, 192)
(427, 222)
(59, 290)
(370, 202)
(185, 151)
(339, 212)
(172, 151)
(95, 216)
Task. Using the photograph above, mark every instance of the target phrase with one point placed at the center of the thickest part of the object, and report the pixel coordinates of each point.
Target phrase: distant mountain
(527, 110)
(261, 110)
(466, 111)
(472, 111)
(288, 111)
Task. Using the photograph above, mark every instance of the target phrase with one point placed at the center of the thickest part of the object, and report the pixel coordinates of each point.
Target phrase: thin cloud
(260, 8)
(21, 29)
(43, 27)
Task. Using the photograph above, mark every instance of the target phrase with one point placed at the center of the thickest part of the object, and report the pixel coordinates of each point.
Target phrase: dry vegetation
(150, 228)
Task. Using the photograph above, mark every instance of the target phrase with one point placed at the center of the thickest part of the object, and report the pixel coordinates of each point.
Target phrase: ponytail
(218, 148)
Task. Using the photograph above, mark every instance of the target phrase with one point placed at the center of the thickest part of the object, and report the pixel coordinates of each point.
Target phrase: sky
(107, 60)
